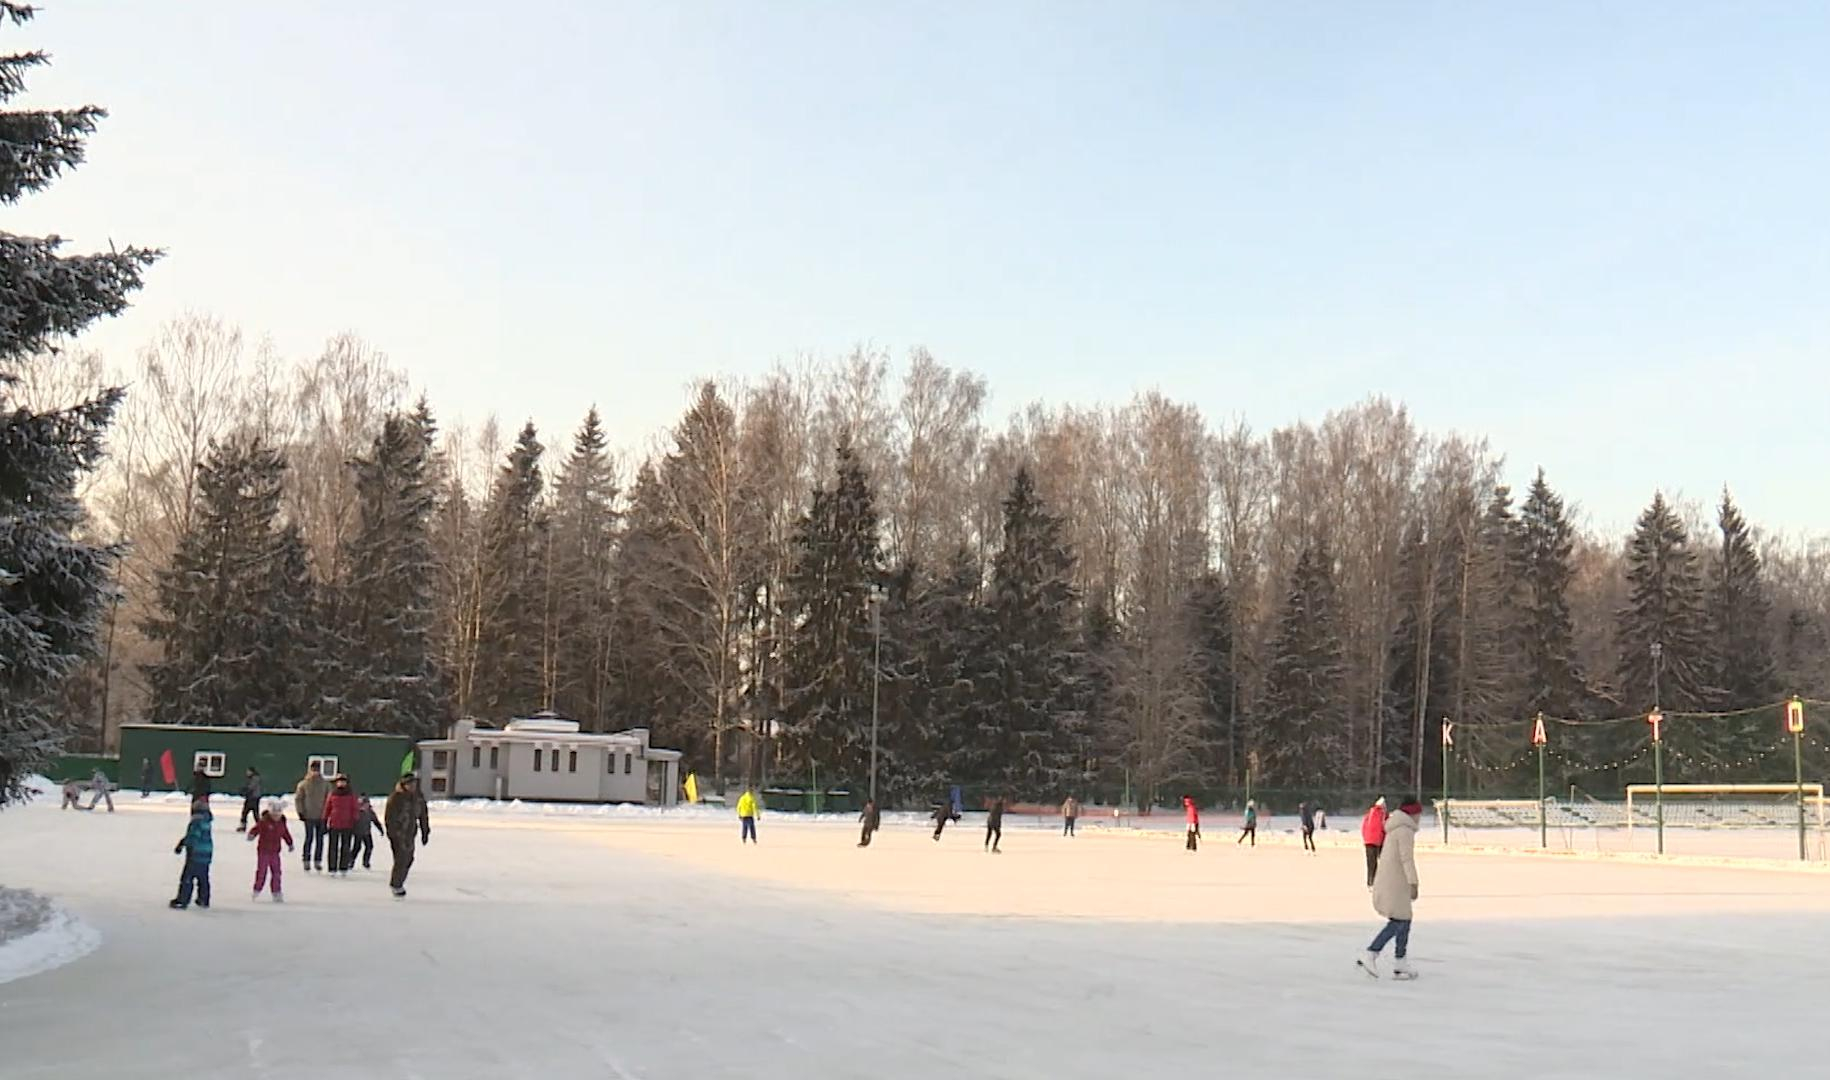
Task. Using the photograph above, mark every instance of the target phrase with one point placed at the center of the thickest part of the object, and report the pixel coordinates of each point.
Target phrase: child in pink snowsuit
(269, 832)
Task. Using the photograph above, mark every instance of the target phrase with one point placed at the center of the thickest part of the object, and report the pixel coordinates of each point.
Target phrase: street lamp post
(1658, 743)
(875, 602)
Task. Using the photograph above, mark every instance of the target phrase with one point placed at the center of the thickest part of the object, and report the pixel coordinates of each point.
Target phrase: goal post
(1743, 795)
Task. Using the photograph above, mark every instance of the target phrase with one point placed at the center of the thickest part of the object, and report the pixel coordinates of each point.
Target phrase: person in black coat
(994, 826)
(872, 822)
(943, 813)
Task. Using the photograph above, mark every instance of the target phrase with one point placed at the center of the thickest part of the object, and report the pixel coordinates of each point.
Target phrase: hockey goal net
(1724, 806)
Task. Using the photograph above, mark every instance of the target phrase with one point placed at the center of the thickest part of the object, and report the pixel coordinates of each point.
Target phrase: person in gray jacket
(250, 798)
(308, 800)
(1395, 890)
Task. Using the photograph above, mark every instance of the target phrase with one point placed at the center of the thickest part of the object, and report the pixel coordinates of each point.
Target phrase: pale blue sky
(1596, 233)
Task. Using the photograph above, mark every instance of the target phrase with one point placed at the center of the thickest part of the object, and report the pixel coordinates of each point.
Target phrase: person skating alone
(367, 825)
(1192, 815)
(341, 810)
(99, 789)
(1372, 834)
(1251, 823)
(1321, 818)
(1395, 889)
(250, 797)
(197, 847)
(1070, 810)
(1305, 815)
(746, 813)
(268, 833)
(308, 802)
(994, 826)
(406, 821)
(943, 813)
(146, 777)
(872, 819)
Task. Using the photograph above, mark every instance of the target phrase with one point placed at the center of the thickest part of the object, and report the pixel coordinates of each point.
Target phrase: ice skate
(399, 893)
(278, 899)
(1369, 963)
(1401, 969)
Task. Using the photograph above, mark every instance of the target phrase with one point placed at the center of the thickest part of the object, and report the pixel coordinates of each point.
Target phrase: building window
(628, 764)
(555, 759)
(210, 762)
(493, 751)
(476, 757)
(610, 762)
(438, 785)
(571, 761)
(440, 758)
(536, 759)
(326, 765)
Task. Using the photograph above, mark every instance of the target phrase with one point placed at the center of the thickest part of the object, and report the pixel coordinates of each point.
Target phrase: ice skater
(1394, 890)
(367, 825)
(1305, 815)
(197, 847)
(1372, 833)
(146, 777)
(746, 813)
(340, 813)
(994, 826)
(1251, 824)
(268, 833)
(405, 817)
(1192, 814)
(308, 802)
(943, 813)
(73, 795)
(1070, 810)
(99, 789)
(872, 820)
(250, 797)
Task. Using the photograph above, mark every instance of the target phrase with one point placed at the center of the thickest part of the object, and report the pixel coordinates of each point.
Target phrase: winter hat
(273, 807)
(1411, 806)
(1380, 801)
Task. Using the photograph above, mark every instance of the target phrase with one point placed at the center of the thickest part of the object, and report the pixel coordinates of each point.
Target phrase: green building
(281, 755)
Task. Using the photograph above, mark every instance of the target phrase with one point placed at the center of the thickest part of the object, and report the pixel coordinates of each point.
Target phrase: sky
(1597, 234)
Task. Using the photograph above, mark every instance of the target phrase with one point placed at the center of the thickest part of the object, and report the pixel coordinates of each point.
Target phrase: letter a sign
(1537, 732)
(1448, 737)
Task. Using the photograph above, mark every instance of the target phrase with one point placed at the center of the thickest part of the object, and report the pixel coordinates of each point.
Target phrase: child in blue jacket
(197, 847)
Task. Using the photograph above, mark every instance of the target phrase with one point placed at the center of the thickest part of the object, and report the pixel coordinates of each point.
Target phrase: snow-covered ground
(574, 945)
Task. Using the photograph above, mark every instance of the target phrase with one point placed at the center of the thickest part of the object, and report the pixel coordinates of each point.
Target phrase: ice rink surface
(566, 946)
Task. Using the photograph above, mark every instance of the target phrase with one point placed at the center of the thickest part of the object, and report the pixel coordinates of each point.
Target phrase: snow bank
(37, 935)
(38, 787)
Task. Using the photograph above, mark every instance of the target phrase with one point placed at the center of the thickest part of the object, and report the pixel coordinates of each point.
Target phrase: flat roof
(227, 730)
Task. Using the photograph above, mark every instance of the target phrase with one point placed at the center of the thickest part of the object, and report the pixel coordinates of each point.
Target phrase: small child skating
(1192, 814)
(1251, 824)
(1305, 813)
(197, 847)
(73, 795)
(367, 825)
(994, 826)
(268, 833)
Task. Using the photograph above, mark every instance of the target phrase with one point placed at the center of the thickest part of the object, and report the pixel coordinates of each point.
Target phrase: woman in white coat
(1394, 890)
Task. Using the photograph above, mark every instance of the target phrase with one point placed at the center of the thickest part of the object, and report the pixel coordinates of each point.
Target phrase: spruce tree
(585, 519)
(1554, 683)
(231, 606)
(649, 678)
(1665, 606)
(394, 685)
(1210, 617)
(52, 584)
(510, 654)
(945, 639)
(1739, 616)
(1303, 741)
(838, 560)
(1026, 716)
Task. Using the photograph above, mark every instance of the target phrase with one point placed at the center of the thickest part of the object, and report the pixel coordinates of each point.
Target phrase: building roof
(229, 730)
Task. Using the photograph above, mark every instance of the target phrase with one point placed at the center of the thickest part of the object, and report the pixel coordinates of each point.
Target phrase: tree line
(1103, 600)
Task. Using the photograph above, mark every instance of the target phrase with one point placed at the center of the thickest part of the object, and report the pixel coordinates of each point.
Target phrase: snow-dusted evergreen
(1739, 616)
(1027, 709)
(839, 559)
(1665, 605)
(1305, 717)
(1555, 682)
(53, 583)
(577, 580)
(390, 683)
(236, 609)
(511, 658)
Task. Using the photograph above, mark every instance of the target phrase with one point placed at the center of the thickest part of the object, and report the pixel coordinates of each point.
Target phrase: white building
(547, 758)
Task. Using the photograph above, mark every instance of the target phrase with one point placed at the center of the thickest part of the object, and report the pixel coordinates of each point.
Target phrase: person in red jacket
(341, 812)
(269, 832)
(1372, 832)
(1193, 814)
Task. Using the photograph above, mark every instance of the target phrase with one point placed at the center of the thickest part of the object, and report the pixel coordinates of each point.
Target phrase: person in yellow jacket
(746, 813)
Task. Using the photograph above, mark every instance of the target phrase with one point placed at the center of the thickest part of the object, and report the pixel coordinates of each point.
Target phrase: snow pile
(38, 787)
(37, 935)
